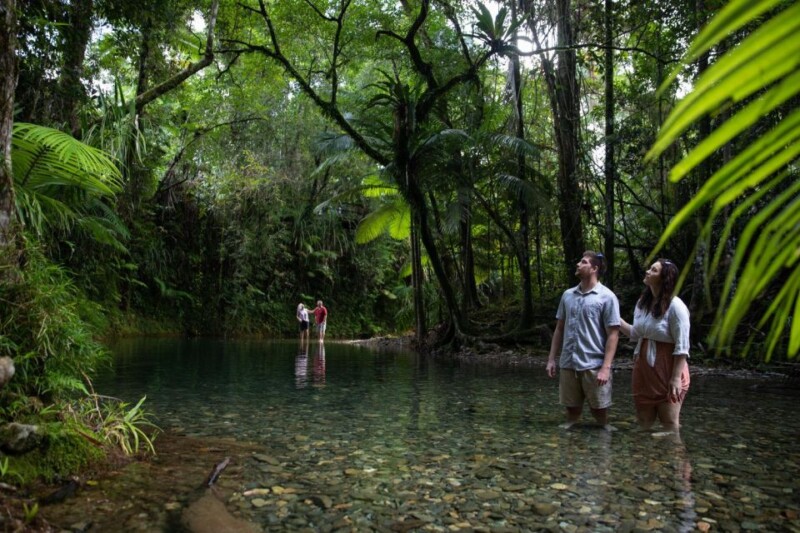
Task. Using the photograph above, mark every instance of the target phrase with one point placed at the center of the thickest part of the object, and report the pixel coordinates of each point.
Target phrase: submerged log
(214, 475)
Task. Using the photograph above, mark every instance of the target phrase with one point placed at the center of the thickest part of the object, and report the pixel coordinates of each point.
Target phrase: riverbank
(120, 497)
(531, 357)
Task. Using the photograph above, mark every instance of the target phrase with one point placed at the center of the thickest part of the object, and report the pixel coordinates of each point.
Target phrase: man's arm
(555, 348)
(612, 339)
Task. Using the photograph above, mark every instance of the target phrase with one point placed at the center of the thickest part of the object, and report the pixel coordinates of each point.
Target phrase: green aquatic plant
(115, 423)
(30, 511)
(127, 428)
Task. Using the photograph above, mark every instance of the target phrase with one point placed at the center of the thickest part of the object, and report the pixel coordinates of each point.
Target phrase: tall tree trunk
(70, 88)
(563, 90)
(524, 257)
(8, 82)
(633, 262)
(417, 281)
(609, 144)
(401, 135)
(420, 217)
(130, 200)
(142, 80)
(466, 197)
(470, 295)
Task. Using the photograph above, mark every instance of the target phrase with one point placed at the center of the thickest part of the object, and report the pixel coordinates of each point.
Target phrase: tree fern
(63, 183)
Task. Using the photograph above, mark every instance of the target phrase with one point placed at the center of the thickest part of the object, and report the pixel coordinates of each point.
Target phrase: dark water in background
(355, 440)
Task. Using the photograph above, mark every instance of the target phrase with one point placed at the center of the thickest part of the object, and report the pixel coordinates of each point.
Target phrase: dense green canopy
(203, 168)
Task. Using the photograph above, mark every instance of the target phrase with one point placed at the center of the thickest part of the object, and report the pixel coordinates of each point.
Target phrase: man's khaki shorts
(575, 386)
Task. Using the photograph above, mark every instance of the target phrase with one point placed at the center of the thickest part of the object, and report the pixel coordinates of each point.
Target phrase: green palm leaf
(63, 183)
(393, 218)
(759, 185)
(767, 55)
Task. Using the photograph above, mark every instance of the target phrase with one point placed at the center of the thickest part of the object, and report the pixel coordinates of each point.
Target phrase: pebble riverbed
(351, 440)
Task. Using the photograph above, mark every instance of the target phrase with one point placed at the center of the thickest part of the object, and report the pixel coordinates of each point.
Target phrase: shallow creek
(343, 438)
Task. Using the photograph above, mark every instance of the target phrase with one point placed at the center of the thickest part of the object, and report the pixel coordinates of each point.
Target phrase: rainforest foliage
(425, 165)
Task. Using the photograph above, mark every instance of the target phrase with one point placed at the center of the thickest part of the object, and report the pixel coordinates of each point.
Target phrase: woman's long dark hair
(658, 305)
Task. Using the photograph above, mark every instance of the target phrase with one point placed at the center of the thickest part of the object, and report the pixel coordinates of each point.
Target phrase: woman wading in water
(661, 329)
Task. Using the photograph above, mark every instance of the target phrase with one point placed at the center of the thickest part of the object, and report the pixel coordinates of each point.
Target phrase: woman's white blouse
(673, 327)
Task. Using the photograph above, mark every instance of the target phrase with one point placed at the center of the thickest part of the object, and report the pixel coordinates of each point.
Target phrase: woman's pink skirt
(651, 383)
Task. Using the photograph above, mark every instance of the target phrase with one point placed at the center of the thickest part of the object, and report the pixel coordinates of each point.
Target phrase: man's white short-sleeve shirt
(586, 316)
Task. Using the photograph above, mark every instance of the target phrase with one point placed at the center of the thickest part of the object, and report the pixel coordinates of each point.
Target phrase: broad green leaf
(794, 335)
(376, 223)
(768, 249)
(400, 225)
(733, 16)
(755, 177)
(765, 56)
(741, 210)
(742, 120)
(787, 132)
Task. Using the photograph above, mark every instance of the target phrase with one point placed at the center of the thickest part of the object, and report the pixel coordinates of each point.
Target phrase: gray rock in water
(20, 438)
(6, 370)
(209, 515)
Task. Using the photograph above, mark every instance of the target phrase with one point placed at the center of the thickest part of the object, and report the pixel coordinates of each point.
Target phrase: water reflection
(386, 441)
(683, 477)
(301, 366)
(319, 365)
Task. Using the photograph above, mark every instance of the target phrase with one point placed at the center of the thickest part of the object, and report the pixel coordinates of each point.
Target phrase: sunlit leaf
(767, 253)
(733, 16)
(762, 58)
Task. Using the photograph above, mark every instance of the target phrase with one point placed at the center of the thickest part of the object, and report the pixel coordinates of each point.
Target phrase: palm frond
(118, 132)
(522, 190)
(62, 183)
(372, 187)
(45, 156)
(393, 218)
(513, 144)
(730, 19)
(759, 185)
(767, 55)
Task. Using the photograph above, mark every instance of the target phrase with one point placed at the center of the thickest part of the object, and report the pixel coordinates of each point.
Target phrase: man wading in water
(321, 319)
(586, 339)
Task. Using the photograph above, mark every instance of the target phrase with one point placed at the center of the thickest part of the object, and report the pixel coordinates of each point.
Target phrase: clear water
(344, 438)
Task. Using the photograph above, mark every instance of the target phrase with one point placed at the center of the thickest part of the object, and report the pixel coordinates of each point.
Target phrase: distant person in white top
(585, 340)
(302, 321)
(661, 331)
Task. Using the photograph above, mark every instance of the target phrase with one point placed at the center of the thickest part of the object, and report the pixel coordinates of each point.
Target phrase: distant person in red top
(321, 318)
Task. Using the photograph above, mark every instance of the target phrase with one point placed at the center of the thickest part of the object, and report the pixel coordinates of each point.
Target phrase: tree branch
(328, 108)
(420, 65)
(540, 50)
(163, 88)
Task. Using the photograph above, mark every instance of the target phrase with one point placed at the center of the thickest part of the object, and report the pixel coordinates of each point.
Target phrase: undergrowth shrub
(49, 329)
(65, 452)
